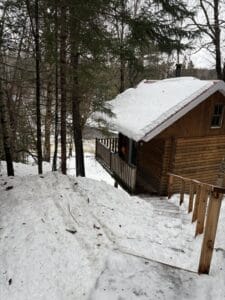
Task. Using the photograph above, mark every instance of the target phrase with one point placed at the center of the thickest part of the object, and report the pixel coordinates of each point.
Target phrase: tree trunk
(38, 87)
(122, 54)
(13, 104)
(122, 72)
(48, 122)
(217, 40)
(4, 118)
(77, 130)
(54, 162)
(63, 37)
(6, 133)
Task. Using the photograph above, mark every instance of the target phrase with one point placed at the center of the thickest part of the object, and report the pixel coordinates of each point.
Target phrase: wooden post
(191, 197)
(195, 212)
(110, 160)
(201, 209)
(210, 232)
(182, 191)
(170, 186)
(96, 141)
(113, 145)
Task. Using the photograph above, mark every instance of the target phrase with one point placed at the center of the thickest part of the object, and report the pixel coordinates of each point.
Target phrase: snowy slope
(76, 238)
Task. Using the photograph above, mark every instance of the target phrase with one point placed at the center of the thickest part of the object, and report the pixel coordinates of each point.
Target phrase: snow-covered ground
(63, 237)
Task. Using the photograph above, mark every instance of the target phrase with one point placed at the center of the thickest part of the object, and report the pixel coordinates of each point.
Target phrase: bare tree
(210, 23)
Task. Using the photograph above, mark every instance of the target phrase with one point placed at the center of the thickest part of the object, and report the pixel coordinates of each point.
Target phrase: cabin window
(217, 116)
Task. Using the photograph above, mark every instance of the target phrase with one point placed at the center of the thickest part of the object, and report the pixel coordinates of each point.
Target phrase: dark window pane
(219, 109)
(215, 121)
(217, 116)
(216, 109)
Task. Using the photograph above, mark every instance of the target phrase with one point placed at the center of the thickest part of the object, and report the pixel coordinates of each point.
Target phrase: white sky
(203, 59)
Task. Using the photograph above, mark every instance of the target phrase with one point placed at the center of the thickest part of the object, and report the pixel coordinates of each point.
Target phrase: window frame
(217, 115)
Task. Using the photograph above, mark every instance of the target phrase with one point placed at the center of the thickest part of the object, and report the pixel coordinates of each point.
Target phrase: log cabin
(173, 125)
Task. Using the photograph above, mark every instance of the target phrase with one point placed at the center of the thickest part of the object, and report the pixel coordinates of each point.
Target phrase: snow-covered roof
(143, 112)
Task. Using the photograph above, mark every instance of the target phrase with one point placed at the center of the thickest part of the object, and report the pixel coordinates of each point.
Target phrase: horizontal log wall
(199, 158)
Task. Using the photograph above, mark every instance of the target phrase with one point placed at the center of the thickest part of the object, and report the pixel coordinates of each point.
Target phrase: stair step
(162, 207)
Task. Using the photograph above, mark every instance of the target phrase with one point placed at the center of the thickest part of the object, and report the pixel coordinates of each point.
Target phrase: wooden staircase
(163, 207)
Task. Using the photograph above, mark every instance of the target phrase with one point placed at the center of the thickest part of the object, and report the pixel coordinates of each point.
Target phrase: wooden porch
(107, 155)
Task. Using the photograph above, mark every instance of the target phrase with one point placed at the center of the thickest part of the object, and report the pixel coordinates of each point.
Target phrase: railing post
(170, 186)
(191, 196)
(182, 191)
(210, 232)
(96, 140)
(201, 210)
(110, 160)
(195, 212)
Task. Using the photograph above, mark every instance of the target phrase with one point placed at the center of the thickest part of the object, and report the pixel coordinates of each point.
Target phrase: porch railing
(125, 172)
(205, 203)
(103, 152)
(109, 143)
(107, 154)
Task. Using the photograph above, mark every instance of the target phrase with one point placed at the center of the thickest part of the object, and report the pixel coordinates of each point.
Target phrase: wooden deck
(107, 154)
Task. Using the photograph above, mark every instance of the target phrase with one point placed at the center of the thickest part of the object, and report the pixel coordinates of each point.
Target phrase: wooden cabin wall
(199, 158)
(149, 165)
(192, 148)
(197, 123)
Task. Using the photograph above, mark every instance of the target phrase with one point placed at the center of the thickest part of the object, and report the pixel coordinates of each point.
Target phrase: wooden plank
(211, 144)
(201, 209)
(195, 212)
(182, 191)
(210, 232)
(195, 140)
(191, 196)
(212, 159)
(197, 169)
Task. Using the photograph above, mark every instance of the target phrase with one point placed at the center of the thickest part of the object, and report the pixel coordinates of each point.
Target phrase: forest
(61, 60)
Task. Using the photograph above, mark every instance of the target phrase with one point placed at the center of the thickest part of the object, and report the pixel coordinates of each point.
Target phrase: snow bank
(53, 243)
(76, 238)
